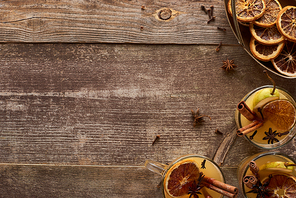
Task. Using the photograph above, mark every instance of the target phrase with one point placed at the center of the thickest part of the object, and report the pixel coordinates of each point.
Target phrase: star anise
(228, 65)
(271, 136)
(261, 189)
(196, 187)
(197, 118)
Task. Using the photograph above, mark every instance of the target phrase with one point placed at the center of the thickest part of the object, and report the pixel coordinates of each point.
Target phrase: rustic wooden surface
(111, 21)
(84, 91)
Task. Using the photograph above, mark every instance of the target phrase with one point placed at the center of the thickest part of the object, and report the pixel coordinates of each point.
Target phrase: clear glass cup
(211, 170)
(261, 160)
(257, 138)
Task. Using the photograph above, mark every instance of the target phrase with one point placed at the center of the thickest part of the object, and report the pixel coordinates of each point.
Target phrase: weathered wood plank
(112, 22)
(104, 104)
(77, 181)
(83, 181)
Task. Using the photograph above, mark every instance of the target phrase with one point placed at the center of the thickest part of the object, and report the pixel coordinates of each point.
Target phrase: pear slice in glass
(277, 167)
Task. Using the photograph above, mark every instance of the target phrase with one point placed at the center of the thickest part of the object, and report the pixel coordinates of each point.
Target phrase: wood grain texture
(78, 116)
(82, 181)
(104, 104)
(112, 21)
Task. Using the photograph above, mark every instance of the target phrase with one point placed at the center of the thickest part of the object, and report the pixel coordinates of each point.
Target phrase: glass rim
(277, 144)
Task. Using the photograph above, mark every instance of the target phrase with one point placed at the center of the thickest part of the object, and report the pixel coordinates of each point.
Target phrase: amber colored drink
(210, 170)
(262, 159)
(257, 137)
(192, 175)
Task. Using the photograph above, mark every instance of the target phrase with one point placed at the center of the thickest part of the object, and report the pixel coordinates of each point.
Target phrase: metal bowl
(243, 35)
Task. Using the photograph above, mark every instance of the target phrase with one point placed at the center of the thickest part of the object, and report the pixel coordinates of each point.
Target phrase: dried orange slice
(230, 12)
(281, 113)
(266, 36)
(248, 10)
(273, 7)
(286, 22)
(285, 63)
(281, 186)
(180, 178)
(229, 7)
(265, 52)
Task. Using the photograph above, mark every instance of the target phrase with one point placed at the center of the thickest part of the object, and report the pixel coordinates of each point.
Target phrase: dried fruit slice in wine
(265, 52)
(248, 10)
(286, 22)
(285, 63)
(266, 36)
(281, 186)
(281, 113)
(273, 7)
(180, 178)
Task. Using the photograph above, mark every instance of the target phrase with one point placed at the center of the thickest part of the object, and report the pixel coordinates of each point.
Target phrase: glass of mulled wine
(266, 117)
(192, 176)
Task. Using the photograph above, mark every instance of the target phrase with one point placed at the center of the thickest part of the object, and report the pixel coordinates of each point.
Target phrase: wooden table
(86, 86)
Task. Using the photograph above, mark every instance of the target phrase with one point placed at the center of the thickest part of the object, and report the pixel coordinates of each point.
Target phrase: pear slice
(263, 102)
(282, 167)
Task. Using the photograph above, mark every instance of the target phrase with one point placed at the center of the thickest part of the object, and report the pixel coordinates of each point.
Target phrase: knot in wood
(165, 14)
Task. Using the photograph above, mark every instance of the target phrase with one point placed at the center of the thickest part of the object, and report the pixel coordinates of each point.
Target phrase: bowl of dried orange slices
(267, 31)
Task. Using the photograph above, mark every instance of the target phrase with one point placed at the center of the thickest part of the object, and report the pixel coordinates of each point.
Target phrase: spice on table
(218, 132)
(198, 118)
(212, 10)
(142, 28)
(219, 46)
(156, 138)
(204, 9)
(223, 29)
(211, 19)
(209, 13)
(228, 65)
(159, 184)
(143, 7)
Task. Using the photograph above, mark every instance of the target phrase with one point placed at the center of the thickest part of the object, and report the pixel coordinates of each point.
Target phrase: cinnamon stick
(250, 181)
(254, 169)
(249, 128)
(219, 190)
(219, 184)
(243, 108)
(220, 187)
